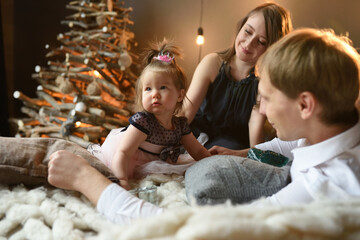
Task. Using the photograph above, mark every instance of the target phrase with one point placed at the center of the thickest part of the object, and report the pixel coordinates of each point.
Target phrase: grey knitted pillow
(219, 178)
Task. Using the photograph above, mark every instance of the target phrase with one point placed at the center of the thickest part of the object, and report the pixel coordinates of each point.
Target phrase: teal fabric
(268, 157)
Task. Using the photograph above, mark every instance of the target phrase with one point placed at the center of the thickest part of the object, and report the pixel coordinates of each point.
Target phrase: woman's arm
(130, 142)
(256, 127)
(194, 147)
(217, 150)
(204, 74)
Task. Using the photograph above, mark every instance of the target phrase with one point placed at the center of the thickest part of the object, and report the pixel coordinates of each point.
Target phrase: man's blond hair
(320, 62)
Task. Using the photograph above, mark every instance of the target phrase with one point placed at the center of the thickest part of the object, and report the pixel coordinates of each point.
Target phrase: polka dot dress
(157, 134)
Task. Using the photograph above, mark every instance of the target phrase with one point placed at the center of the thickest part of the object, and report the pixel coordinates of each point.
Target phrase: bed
(38, 211)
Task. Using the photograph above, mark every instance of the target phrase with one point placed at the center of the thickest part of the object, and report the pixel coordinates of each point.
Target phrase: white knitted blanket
(48, 213)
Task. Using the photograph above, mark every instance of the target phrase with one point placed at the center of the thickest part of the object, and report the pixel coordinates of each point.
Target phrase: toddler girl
(155, 132)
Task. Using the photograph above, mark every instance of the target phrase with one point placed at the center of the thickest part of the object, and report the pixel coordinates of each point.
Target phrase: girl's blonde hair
(152, 63)
(319, 62)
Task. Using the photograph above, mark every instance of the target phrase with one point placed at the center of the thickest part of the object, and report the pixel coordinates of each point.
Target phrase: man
(309, 85)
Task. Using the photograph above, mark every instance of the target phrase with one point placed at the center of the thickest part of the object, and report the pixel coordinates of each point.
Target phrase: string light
(96, 73)
(200, 37)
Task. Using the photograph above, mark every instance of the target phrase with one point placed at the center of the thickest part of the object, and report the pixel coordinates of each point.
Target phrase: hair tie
(166, 58)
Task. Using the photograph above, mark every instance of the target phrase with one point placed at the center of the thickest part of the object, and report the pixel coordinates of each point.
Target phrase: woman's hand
(217, 150)
(256, 127)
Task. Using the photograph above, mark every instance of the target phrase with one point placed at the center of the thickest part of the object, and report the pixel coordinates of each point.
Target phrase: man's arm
(72, 172)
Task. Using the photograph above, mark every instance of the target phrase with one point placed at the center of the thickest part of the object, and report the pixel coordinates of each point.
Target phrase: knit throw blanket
(50, 213)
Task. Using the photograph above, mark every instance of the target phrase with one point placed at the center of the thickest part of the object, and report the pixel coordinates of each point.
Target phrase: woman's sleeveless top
(225, 111)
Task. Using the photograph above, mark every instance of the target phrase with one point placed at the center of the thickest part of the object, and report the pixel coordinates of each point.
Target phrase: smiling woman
(251, 42)
(223, 92)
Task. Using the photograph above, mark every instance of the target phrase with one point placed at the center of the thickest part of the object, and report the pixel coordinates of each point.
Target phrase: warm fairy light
(200, 40)
(77, 124)
(37, 68)
(96, 73)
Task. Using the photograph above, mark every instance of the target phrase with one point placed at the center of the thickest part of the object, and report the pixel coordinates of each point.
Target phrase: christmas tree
(87, 87)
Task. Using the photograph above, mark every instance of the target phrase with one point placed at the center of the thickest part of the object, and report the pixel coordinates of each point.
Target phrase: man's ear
(307, 104)
(181, 95)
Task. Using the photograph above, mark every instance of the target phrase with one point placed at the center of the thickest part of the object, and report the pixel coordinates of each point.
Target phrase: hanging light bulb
(200, 37)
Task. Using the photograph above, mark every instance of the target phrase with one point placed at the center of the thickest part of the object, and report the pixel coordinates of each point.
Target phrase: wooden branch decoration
(73, 102)
(49, 99)
(74, 139)
(56, 94)
(19, 95)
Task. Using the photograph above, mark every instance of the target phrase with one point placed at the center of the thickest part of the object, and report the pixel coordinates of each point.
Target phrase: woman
(222, 94)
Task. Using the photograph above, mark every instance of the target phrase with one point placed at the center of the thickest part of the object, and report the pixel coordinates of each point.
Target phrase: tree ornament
(80, 107)
(125, 60)
(93, 89)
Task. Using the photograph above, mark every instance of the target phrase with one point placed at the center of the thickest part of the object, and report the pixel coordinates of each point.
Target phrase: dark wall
(4, 128)
(36, 23)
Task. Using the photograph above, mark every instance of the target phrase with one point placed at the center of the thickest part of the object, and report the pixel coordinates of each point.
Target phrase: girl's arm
(204, 74)
(256, 127)
(194, 147)
(130, 142)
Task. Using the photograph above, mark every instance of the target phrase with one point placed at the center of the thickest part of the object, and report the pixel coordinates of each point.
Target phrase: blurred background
(27, 26)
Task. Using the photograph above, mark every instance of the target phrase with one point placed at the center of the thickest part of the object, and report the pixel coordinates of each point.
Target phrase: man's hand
(72, 172)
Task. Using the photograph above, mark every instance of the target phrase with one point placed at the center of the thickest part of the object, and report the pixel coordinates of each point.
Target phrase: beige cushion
(24, 160)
